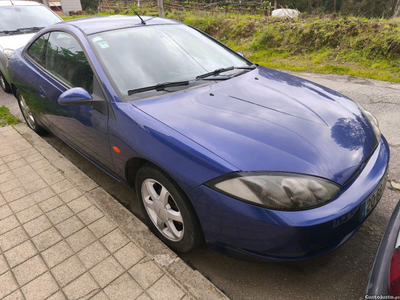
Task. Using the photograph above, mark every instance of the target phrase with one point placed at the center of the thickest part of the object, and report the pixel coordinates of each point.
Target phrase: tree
(89, 5)
(160, 8)
(397, 10)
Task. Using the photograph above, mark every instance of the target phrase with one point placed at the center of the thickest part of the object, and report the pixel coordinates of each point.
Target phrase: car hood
(15, 41)
(266, 120)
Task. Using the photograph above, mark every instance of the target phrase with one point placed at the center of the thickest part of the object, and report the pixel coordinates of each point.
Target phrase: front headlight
(8, 52)
(373, 121)
(279, 191)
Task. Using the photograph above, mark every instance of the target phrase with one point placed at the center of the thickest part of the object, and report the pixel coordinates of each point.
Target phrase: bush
(77, 13)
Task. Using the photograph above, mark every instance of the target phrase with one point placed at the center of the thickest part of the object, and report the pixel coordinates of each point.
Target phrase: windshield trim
(155, 94)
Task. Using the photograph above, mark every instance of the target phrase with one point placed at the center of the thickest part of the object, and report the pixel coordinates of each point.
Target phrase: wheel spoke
(149, 203)
(160, 223)
(174, 215)
(150, 188)
(172, 229)
(164, 196)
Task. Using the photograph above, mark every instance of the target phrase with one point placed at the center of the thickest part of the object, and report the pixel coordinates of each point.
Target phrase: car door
(83, 127)
(25, 76)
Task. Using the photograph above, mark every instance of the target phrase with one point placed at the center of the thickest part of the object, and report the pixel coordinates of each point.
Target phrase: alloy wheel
(26, 111)
(162, 210)
(2, 82)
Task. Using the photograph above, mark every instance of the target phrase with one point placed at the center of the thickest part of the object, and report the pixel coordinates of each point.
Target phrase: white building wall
(70, 5)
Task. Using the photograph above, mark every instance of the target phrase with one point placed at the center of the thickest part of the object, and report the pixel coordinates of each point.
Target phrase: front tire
(5, 86)
(168, 211)
(27, 114)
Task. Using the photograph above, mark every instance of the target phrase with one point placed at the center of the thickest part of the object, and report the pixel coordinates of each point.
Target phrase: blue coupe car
(257, 163)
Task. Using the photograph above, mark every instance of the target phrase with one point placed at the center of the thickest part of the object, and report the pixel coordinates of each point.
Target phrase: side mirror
(241, 54)
(75, 96)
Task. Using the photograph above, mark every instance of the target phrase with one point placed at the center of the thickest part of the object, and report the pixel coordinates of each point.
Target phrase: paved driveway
(339, 275)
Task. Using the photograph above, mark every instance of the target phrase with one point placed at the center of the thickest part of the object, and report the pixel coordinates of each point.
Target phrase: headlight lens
(8, 52)
(373, 121)
(279, 191)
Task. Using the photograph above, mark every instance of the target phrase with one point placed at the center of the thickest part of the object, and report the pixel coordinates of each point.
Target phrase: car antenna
(143, 22)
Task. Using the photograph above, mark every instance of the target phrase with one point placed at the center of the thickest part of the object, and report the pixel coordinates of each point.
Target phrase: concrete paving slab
(63, 237)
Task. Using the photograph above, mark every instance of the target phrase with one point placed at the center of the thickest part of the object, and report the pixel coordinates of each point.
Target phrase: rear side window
(66, 60)
(37, 50)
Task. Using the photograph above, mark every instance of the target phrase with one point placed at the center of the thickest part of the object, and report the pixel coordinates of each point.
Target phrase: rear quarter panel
(24, 75)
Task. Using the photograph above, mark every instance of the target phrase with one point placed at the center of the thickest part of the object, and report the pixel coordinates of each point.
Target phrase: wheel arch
(132, 167)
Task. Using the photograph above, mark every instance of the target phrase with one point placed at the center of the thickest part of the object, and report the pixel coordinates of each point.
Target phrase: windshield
(146, 56)
(13, 18)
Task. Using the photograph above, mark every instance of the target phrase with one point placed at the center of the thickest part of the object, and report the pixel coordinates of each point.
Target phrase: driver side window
(66, 60)
(37, 50)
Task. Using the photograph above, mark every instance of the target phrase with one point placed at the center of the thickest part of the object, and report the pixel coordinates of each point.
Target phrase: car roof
(92, 25)
(18, 3)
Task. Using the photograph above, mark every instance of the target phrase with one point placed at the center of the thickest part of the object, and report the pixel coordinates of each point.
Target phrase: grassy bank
(355, 46)
(6, 118)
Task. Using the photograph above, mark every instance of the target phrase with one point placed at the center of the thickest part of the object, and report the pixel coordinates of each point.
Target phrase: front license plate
(373, 199)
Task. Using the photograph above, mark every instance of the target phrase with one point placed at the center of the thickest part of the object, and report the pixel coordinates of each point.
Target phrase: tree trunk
(334, 5)
(160, 8)
(276, 4)
(397, 10)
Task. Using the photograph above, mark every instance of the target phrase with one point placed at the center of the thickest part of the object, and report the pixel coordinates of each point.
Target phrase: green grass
(6, 118)
(362, 47)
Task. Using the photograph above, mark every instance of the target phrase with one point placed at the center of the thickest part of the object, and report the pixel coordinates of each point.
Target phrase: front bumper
(378, 282)
(250, 232)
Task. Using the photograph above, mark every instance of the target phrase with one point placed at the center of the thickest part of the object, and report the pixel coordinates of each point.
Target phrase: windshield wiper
(222, 70)
(158, 87)
(29, 28)
(21, 29)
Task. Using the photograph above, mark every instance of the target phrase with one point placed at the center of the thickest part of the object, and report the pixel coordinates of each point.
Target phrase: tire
(181, 236)
(5, 86)
(28, 116)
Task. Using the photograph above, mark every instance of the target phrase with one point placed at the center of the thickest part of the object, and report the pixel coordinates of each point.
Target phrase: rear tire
(5, 86)
(171, 216)
(27, 114)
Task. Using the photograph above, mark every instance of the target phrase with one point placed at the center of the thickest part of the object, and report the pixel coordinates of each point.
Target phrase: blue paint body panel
(276, 122)
(262, 120)
(244, 230)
